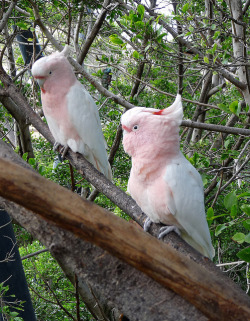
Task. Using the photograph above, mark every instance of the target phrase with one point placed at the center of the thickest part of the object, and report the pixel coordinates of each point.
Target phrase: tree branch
(216, 128)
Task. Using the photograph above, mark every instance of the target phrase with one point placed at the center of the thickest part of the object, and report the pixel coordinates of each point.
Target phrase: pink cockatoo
(162, 181)
(71, 112)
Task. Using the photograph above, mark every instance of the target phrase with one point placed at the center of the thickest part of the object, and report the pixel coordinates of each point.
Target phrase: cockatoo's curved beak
(126, 129)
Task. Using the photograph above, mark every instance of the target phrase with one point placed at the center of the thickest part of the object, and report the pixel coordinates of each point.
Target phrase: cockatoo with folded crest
(162, 181)
(71, 112)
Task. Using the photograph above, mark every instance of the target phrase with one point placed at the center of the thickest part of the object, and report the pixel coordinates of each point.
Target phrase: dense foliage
(155, 49)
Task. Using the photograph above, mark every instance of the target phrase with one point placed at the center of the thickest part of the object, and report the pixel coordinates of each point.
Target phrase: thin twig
(34, 254)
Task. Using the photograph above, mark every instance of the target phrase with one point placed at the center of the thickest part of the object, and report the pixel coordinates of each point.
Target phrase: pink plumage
(71, 112)
(162, 181)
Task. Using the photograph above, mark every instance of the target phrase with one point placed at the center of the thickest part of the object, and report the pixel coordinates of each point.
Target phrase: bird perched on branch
(162, 181)
(71, 112)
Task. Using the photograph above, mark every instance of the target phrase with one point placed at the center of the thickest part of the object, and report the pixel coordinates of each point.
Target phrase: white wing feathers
(84, 115)
(187, 203)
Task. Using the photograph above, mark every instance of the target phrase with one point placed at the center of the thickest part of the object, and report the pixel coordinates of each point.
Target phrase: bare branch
(216, 128)
(33, 254)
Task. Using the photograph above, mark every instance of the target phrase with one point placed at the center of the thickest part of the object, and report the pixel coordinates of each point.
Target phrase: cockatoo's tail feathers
(66, 51)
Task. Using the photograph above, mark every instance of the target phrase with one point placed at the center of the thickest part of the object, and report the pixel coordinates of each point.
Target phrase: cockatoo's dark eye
(136, 127)
(50, 72)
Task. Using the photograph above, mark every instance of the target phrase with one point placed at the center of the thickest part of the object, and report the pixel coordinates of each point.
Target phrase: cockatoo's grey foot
(167, 229)
(64, 151)
(55, 146)
(147, 224)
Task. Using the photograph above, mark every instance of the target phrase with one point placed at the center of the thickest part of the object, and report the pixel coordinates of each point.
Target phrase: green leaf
(114, 38)
(224, 108)
(32, 161)
(210, 216)
(213, 27)
(245, 194)
(25, 156)
(214, 48)
(246, 224)
(158, 18)
(139, 24)
(185, 8)
(227, 142)
(234, 210)
(206, 60)
(136, 54)
(247, 238)
(235, 107)
(216, 35)
(204, 179)
(244, 255)
(159, 38)
(246, 209)
(219, 229)
(141, 10)
(230, 200)
(215, 58)
(41, 170)
(210, 213)
(239, 238)
(22, 25)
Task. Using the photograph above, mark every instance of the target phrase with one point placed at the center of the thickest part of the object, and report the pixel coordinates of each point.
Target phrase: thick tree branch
(149, 255)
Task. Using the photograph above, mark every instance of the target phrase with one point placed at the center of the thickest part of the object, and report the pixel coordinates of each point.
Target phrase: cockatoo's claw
(147, 224)
(64, 151)
(55, 146)
(167, 229)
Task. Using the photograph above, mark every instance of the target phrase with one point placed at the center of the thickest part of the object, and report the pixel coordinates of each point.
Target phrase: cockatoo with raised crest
(71, 112)
(162, 181)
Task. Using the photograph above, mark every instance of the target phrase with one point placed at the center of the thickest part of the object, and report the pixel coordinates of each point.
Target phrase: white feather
(87, 123)
(187, 199)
